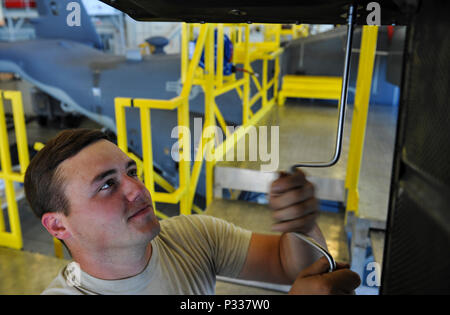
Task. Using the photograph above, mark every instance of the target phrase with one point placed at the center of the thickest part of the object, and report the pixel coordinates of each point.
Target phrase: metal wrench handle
(343, 100)
(320, 248)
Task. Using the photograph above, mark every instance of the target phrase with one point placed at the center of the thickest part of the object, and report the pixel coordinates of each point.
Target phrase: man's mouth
(141, 212)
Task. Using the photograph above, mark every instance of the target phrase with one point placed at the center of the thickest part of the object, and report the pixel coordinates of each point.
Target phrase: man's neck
(117, 265)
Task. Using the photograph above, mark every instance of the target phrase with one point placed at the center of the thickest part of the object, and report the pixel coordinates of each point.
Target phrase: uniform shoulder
(59, 286)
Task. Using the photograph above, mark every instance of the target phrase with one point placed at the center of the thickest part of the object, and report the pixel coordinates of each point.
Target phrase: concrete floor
(29, 271)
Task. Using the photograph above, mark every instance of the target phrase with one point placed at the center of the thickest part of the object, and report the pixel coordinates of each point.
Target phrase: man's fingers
(296, 211)
(303, 224)
(340, 265)
(342, 280)
(287, 182)
(317, 280)
(319, 267)
(292, 197)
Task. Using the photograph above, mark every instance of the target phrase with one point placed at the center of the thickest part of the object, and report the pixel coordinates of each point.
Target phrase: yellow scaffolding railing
(214, 83)
(12, 238)
(360, 112)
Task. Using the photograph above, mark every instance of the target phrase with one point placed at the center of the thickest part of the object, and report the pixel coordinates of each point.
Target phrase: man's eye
(109, 183)
(133, 173)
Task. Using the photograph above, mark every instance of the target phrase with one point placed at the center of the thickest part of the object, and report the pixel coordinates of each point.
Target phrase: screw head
(237, 12)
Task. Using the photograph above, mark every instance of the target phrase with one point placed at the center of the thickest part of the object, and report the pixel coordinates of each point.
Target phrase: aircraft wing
(60, 68)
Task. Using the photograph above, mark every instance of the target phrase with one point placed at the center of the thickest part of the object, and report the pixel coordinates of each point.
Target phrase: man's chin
(149, 229)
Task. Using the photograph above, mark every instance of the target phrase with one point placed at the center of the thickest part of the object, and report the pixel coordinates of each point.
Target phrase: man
(87, 193)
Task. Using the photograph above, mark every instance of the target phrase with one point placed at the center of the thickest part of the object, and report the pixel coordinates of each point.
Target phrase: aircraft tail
(66, 19)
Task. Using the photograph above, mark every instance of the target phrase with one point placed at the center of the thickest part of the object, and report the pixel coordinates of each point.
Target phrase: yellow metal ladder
(12, 238)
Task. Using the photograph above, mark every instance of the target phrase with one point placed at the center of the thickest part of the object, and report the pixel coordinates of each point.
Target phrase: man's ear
(54, 224)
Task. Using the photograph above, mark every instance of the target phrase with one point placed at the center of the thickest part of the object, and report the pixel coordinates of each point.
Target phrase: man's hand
(317, 280)
(292, 198)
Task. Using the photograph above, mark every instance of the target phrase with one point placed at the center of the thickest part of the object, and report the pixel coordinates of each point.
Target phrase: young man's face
(109, 207)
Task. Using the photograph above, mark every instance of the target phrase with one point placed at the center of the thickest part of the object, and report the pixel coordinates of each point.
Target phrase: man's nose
(132, 188)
